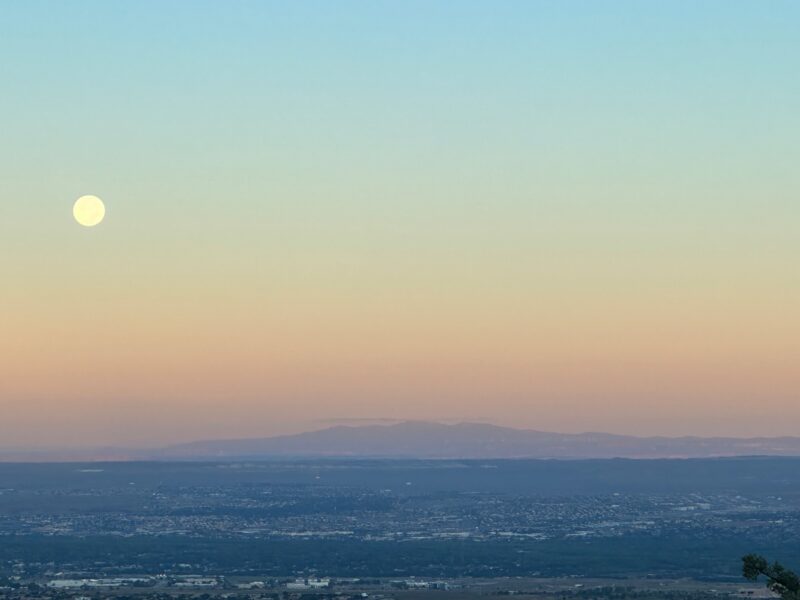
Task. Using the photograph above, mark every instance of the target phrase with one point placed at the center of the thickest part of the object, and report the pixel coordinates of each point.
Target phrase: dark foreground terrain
(133, 528)
(384, 589)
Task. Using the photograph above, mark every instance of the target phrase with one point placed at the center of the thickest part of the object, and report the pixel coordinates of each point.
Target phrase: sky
(561, 215)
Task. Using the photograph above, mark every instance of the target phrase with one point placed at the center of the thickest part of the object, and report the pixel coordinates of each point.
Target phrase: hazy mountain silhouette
(416, 439)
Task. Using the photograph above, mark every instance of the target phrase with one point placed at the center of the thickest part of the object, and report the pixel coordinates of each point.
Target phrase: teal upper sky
(432, 101)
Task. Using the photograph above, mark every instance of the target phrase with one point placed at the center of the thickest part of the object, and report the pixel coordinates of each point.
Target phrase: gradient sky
(560, 215)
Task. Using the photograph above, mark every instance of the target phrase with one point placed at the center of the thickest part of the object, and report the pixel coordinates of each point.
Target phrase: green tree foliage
(779, 579)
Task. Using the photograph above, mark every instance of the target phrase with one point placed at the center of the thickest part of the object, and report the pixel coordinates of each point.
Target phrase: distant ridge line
(429, 440)
(422, 439)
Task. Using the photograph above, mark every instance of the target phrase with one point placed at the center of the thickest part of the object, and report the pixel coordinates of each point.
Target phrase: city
(317, 526)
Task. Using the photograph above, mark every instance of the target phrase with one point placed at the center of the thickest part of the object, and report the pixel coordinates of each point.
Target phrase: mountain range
(426, 440)
(415, 439)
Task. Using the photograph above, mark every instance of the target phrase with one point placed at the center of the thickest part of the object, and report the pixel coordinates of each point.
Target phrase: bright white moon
(89, 210)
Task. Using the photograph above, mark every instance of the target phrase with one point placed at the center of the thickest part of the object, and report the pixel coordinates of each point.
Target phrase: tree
(780, 580)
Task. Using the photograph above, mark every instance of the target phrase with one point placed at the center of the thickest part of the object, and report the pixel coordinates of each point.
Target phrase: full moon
(89, 210)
